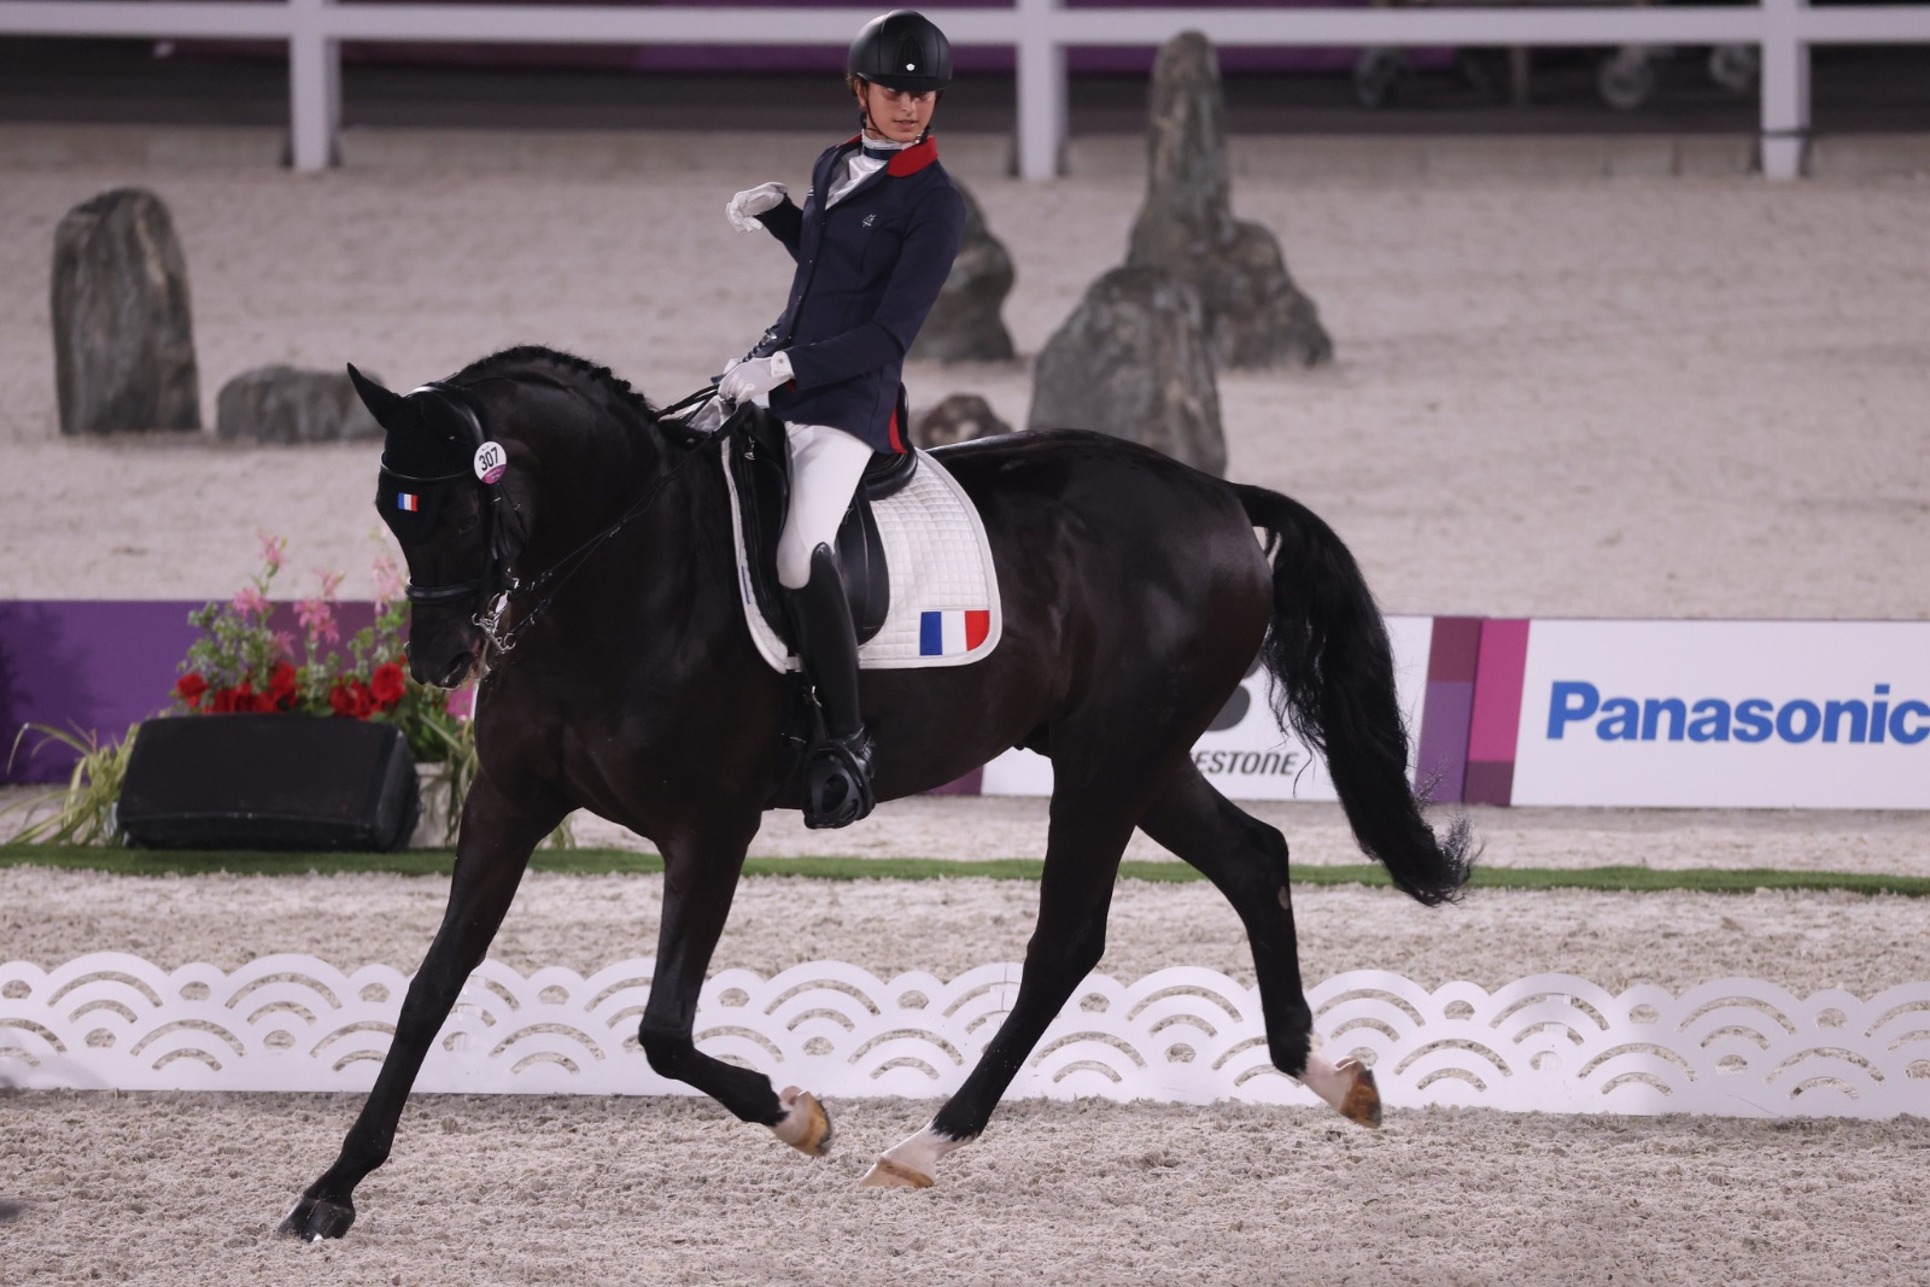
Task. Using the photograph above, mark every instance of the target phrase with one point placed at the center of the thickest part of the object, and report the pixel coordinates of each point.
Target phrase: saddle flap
(760, 465)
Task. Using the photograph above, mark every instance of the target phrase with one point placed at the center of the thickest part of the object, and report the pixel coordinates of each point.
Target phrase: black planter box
(269, 782)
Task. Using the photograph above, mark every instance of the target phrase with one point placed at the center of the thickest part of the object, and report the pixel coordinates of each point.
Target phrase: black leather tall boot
(837, 769)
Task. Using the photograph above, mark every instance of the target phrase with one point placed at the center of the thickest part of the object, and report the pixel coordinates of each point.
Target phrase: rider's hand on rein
(746, 380)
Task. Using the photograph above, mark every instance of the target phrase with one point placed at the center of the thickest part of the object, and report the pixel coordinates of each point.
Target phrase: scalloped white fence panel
(1554, 1042)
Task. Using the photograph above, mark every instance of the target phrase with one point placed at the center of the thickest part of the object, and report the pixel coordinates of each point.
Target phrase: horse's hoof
(314, 1219)
(1362, 1102)
(805, 1125)
(887, 1174)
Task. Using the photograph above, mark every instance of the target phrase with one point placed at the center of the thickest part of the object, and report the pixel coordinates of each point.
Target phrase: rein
(497, 598)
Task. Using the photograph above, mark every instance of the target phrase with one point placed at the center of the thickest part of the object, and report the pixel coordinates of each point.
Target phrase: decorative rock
(964, 325)
(959, 418)
(123, 340)
(1255, 315)
(1132, 361)
(280, 404)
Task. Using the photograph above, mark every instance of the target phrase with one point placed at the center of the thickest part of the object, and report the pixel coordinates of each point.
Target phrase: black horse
(1135, 596)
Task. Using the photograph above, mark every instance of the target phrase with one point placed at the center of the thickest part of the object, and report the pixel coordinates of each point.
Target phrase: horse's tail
(1333, 672)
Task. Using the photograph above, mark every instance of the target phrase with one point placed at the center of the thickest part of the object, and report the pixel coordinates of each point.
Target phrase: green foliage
(587, 862)
(83, 812)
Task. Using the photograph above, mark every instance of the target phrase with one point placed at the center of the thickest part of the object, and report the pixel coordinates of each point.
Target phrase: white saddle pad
(944, 590)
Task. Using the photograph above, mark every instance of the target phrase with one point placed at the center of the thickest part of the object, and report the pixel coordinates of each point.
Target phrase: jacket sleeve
(785, 222)
(924, 262)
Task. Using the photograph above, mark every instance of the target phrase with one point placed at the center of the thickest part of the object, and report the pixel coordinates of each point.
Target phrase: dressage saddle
(760, 466)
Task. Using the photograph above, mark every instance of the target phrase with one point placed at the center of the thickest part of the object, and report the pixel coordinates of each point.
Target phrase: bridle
(495, 589)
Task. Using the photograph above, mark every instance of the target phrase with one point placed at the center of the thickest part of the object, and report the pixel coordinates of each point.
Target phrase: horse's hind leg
(1089, 830)
(700, 876)
(1247, 860)
(494, 848)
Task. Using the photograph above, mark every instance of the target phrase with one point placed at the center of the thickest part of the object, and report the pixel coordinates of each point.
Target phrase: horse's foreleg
(491, 854)
(1088, 834)
(700, 878)
(1247, 860)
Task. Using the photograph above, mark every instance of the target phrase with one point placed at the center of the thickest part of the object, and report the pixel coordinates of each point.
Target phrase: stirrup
(837, 782)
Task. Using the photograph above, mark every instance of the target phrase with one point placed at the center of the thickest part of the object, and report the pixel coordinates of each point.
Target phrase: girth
(760, 465)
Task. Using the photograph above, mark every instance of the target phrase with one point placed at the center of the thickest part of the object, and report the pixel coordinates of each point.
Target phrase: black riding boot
(837, 768)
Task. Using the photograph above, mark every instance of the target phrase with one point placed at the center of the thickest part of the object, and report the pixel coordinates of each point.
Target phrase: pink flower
(331, 582)
(388, 580)
(318, 620)
(272, 548)
(285, 643)
(251, 602)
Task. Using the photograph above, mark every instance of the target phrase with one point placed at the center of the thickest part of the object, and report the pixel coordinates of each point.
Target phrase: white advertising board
(1245, 754)
(1732, 714)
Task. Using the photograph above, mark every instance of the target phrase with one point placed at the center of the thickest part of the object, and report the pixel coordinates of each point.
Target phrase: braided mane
(585, 371)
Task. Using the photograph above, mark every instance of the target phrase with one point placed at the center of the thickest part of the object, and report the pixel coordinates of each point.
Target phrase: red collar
(908, 160)
(913, 159)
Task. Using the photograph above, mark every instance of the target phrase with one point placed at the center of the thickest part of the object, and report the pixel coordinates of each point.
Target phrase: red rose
(267, 703)
(189, 688)
(352, 700)
(281, 692)
(387, 686)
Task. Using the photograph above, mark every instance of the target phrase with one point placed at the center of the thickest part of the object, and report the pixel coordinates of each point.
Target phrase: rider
(873, 244)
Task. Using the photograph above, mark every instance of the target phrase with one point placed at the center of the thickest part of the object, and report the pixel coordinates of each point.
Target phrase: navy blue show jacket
(868, 272)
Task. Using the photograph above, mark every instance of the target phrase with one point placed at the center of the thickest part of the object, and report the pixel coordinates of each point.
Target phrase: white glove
(747, 380)
(751, 202)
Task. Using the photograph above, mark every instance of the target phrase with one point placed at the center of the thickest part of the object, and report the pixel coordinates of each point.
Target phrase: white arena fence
(1039, 31)
(1551, 1043)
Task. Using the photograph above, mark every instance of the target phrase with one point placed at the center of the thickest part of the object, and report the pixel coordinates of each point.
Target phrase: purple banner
(97, 666)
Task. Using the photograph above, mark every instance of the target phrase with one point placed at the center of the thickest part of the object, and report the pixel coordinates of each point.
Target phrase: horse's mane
(568, 368)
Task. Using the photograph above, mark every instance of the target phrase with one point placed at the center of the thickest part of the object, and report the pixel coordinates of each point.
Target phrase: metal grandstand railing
(1039, 31)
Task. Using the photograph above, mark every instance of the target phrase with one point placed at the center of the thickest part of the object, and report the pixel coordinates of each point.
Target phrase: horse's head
(452, 497)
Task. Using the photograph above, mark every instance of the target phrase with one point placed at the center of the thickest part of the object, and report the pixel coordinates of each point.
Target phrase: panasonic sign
(1772, 714)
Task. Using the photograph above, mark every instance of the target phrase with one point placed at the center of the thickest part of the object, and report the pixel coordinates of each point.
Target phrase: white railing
(1548, 1043)
(1038, 30)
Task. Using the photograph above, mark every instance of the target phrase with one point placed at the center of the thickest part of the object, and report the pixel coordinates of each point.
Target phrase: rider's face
(896, 114)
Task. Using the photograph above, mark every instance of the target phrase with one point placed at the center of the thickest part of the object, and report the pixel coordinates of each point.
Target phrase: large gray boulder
(1255, 315)
(964, 325)
(959, 418)
(1132, 361)
(123, 342)
(281, 404)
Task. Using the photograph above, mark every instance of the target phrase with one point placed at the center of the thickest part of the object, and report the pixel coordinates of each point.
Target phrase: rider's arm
(924, 262)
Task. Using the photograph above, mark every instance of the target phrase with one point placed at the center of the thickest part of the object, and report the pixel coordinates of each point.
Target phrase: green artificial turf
(436, 862)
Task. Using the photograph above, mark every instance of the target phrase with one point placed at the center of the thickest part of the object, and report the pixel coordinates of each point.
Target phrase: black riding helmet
(902, 50)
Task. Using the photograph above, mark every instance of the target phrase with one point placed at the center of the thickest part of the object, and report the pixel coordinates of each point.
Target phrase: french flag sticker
(408, 502)
(946, 634)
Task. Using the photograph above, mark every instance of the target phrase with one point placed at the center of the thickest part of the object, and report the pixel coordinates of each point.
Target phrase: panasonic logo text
(1874, 719)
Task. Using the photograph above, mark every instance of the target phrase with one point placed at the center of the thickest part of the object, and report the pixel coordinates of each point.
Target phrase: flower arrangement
(243, 663)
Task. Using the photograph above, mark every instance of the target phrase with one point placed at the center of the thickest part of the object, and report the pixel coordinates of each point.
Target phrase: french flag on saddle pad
(408, 502)
(943, 634)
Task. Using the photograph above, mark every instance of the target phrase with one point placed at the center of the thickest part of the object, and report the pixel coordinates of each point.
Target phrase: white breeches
(826, 465)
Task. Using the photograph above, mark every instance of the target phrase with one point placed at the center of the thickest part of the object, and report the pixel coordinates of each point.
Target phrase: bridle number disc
(491, 461)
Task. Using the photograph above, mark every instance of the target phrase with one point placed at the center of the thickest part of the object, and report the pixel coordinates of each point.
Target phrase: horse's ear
(391, 410)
